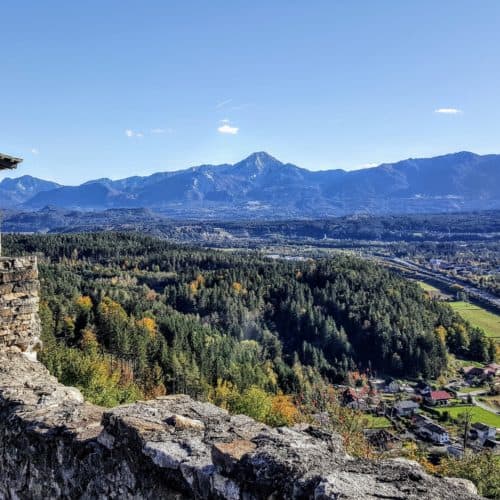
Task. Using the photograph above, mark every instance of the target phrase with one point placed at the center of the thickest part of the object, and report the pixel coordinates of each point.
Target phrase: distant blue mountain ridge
(262, 186)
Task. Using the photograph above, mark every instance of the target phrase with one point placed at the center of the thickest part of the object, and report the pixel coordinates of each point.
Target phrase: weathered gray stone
(227, 456)
(184, 423)
(54, 445)
(19, 322)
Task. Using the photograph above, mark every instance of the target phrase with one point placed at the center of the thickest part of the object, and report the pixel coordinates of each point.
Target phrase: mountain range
(262, 186)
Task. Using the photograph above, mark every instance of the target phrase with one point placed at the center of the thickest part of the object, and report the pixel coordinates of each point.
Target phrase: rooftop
(406, 404)
(440, 395)
(432, 427)
(480, 426)
(8, 162)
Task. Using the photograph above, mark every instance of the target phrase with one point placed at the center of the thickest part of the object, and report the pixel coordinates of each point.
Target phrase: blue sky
(118, 88)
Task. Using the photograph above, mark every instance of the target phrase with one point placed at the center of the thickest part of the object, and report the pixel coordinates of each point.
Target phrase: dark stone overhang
(8, 162)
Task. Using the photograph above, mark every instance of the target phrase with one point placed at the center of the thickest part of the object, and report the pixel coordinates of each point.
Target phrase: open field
(428, 288)
(374, 422)
(477, 316)
(434, 290)
(478, 414)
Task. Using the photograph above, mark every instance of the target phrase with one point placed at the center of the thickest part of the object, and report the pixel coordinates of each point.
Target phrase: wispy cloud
(369, 165)
(226, 128)
(221, 104)
(132, 133)
(448, 111)
(35, 151)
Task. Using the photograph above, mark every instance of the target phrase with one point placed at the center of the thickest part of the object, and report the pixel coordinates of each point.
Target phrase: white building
(435, 433)
(482, 432)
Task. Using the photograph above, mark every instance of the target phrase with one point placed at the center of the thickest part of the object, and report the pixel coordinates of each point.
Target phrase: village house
(492, 445)
(472, 372)
(435, 433)
(405, 408)
(382, 439)
(482, 432)
(355, 398)
(363, 398)
(377, 383)
(438, 398)
(392, 387)
(488, 372)
(419, 420)
(407, 388)
(423, 388)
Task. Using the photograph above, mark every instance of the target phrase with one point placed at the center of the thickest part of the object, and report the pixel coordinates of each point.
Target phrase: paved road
(484, 406)
(479, 392)
(425, 272)
(476, 401)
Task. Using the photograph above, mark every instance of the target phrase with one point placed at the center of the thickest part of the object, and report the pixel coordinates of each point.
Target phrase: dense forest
(127, 316)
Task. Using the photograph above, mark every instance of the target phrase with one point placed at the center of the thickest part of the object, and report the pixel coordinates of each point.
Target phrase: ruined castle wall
(54, 445)
(19, 295)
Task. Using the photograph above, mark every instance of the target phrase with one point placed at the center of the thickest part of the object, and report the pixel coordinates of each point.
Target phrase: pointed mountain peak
(259, 160)
(464, 154)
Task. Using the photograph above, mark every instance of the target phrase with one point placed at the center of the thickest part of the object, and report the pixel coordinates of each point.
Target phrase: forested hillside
(127, 316)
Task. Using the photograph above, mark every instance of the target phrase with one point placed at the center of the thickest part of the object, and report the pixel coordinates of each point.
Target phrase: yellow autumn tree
(149, 326)
(197, 283)
(283, 411)
(89, 341)
(223, 394)
(441, 332)
(84, 302)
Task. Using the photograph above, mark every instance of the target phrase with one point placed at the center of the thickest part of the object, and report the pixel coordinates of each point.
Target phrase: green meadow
(477, 316)
(428, 288)
(373, 422)
(477, 414)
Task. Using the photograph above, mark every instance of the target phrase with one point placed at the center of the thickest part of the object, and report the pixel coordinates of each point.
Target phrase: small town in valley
(446, 418)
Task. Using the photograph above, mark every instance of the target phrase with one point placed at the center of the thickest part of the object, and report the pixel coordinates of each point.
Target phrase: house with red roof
(438, 398)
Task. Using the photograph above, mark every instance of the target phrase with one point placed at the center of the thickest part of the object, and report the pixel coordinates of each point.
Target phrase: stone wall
(19, 288)
(54, 445)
